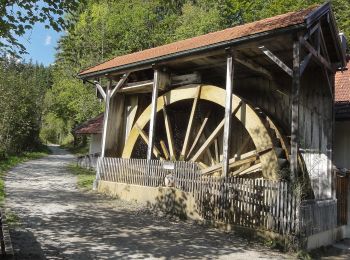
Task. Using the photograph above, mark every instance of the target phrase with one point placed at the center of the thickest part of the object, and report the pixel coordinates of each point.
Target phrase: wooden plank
(228, 115)
(152, 124)
(276, 60)
(138, 87)
(180, 80)
(190, 124)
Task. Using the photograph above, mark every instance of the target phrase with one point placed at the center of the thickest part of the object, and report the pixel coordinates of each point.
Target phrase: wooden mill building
(254, 101)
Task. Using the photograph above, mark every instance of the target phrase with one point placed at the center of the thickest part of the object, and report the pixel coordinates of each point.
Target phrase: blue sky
(40, 44)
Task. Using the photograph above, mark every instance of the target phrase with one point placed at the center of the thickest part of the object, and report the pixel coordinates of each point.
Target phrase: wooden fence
(317, 216)
(255, 203)
(88, 161)
(342, 190)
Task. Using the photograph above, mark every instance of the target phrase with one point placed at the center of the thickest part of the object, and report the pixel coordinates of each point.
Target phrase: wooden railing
(255, 203)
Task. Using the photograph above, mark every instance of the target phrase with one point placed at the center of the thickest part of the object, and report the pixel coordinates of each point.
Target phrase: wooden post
(295, 111)
(105, 120)
(152, 124)
(228, 114)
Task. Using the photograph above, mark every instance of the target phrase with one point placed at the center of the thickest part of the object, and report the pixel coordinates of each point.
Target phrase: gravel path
(60, 222)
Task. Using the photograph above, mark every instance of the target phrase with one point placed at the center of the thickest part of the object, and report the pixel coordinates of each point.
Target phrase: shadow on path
(60, 222)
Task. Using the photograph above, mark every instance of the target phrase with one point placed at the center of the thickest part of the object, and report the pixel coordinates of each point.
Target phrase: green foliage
(85, 177)
(16, 17)
(12, 161)
(106, 28)
(22, 89)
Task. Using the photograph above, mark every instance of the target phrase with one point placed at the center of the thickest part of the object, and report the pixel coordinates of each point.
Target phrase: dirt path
(60, 222)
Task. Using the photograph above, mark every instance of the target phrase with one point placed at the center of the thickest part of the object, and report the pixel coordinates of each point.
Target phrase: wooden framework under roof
(270, 64)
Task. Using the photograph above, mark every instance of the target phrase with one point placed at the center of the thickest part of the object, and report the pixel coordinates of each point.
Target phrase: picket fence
(254, 203)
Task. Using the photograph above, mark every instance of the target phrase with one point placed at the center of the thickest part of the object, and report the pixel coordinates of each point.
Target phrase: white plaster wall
(317, 165)
(342, 144)
(95, 143)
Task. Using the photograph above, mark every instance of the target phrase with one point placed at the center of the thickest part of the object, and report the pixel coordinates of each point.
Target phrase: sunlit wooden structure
(253, 101)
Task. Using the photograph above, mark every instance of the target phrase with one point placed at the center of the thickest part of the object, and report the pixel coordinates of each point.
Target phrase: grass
(76, 150)
(12, 161)
(85, 177)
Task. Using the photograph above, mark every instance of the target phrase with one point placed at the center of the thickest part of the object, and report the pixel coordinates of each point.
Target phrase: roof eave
(222, 45)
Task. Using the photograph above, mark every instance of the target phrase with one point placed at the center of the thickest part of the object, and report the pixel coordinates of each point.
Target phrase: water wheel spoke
(144, 136)
(169, 132)
(234, 162)
(216, 147)
(200, 131)
(252, 169)
(190, 124)
(209, 141)
(213, 135)
(164, 149)
(208, 152)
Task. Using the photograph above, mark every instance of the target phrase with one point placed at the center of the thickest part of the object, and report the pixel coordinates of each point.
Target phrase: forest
(43, 104)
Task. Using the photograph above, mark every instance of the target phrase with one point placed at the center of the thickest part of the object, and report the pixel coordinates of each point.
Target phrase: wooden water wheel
(190, 122)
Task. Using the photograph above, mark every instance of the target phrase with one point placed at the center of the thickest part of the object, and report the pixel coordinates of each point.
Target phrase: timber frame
(270, 70)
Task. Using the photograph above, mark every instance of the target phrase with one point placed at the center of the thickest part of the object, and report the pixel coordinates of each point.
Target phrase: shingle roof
(92, 126)
(342, 85)
(269, 24)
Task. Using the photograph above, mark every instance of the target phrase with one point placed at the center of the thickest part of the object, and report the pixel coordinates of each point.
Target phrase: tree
(18, 16)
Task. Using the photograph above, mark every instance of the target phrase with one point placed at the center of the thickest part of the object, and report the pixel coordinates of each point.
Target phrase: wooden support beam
(119, 84)
(106, 96)
(100, 89)
(295, 111)
(190, 124)
(169, 131)
(276, 60)
(228, 114)
(254, 67)
(138, 87)
(152, 125)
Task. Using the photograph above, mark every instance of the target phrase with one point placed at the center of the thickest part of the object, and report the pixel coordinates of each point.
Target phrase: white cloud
(48, 40)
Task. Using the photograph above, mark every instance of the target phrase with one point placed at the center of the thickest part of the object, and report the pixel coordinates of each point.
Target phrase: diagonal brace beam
(100, 89)
(276, 60)
(119, 84)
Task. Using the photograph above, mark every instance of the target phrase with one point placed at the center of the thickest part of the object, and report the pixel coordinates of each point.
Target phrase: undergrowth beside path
(85, 177)
(12, 161)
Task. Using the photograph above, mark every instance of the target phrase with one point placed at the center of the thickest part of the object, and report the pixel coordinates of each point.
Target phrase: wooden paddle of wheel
(197, 144)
